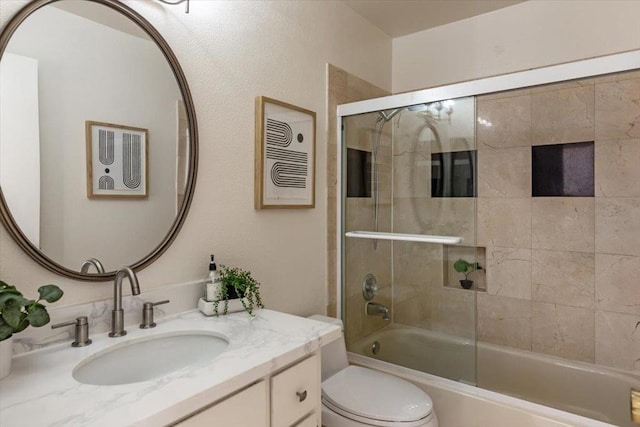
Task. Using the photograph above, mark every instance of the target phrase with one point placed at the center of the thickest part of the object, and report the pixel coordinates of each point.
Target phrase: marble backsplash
(182, 297)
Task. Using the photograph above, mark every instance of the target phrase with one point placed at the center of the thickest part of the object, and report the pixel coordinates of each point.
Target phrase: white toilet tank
(334, 354)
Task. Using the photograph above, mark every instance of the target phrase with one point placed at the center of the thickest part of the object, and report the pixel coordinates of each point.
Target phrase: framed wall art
(285, 155)
(117, 161)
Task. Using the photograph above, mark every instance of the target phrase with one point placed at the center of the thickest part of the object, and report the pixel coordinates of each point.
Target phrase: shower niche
(470, 254)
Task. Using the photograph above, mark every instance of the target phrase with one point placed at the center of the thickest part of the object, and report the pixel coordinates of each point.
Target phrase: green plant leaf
(22, 325)
(12, 298)
(50, 293)
(5, 332)
(11, 314)
(37, 316)
(461, 266)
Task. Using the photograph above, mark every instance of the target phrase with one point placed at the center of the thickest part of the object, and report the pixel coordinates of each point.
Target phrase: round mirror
(98, 137)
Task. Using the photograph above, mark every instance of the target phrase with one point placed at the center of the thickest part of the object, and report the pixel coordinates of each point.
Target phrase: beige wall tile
(563, 331)
(616, 77)
(439, 216)
(563, 223)
(564, 115)
(509, 272)
(510, 120)
(618, 340)
(617, 109)
(504, 94)
(618, 226)
(504, 321)
(415, 311)
(412, 174)
(358, 89)
(617, 173)
(337, 79)
(416, 266)
(617, 283)
(454, 312)
(566, 278)
(504, 222)
(571, 84)
(413, 135)
(504, 172)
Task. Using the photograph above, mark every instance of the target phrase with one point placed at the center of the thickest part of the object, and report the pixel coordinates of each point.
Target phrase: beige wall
(528, 35)
(232, 52)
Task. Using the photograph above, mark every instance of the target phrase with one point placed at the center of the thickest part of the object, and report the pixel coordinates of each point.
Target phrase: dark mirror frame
(5, 214)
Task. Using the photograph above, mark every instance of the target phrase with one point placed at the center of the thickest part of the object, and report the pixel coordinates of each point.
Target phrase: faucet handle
(81, 331)
(147, 314)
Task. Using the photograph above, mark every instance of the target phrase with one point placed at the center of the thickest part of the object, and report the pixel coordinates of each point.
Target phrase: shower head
(388, 116)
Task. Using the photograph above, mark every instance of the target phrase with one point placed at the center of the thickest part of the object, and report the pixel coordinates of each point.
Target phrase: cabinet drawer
(233, 411)
(295, 392)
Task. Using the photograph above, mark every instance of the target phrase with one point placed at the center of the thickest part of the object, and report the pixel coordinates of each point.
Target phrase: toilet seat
(375, 398)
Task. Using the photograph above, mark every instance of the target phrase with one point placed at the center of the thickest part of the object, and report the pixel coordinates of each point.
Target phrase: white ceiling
(401, 17)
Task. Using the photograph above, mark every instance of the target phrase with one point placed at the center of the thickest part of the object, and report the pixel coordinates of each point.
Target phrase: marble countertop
(40, 391)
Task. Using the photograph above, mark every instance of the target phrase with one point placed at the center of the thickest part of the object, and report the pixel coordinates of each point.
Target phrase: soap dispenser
(213, 283)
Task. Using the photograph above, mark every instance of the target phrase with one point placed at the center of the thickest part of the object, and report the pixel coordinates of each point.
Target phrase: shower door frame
(551, 74)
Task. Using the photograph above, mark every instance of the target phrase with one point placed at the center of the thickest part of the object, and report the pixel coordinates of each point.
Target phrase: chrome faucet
(92, 262)
(117, 315)
(375, 309)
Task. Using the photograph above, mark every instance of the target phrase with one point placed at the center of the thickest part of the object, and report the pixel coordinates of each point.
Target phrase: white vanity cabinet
(286, 398)
(248, 408)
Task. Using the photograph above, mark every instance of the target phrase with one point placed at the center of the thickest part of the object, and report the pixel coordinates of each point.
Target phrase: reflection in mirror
(67, 63)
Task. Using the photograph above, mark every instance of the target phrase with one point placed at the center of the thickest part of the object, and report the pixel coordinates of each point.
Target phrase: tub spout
(375, 309)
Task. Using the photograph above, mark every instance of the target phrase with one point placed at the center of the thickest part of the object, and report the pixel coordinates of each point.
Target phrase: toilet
(354, 396)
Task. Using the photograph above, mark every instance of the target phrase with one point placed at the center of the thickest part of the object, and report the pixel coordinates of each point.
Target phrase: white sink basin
(149, 358)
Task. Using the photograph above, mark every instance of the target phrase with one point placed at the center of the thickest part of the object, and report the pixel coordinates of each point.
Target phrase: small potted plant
(17, 313)
(466, 268)
(238, 285)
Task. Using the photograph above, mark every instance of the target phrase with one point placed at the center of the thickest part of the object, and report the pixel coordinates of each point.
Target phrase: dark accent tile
(562, 170)
(453, 174)
(358, 173)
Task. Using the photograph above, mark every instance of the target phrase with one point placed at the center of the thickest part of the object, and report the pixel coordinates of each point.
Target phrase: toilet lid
(376, 395)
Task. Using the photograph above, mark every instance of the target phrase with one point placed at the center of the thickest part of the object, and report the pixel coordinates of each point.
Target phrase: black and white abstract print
(118, 160)
(288, 155)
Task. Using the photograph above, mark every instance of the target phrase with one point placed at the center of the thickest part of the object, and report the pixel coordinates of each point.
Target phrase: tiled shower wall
(563, 273)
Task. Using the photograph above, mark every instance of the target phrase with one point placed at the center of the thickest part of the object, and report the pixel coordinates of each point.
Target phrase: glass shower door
(422, 162)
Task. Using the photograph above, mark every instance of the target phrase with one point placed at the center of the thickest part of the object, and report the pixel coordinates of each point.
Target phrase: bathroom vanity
(268, 375)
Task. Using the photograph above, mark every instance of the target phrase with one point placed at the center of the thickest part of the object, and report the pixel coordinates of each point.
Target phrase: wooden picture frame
(285, 156)
(117, 161)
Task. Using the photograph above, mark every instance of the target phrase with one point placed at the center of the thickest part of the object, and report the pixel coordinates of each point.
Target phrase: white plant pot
(6, 352)
(235, 305)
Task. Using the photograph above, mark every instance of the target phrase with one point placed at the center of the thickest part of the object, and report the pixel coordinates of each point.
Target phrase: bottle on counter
(213, 282)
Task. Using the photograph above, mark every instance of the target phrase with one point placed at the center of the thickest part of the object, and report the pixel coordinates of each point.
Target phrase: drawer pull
(302, 395)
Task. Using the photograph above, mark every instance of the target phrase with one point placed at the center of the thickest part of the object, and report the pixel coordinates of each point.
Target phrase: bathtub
(587, 390)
